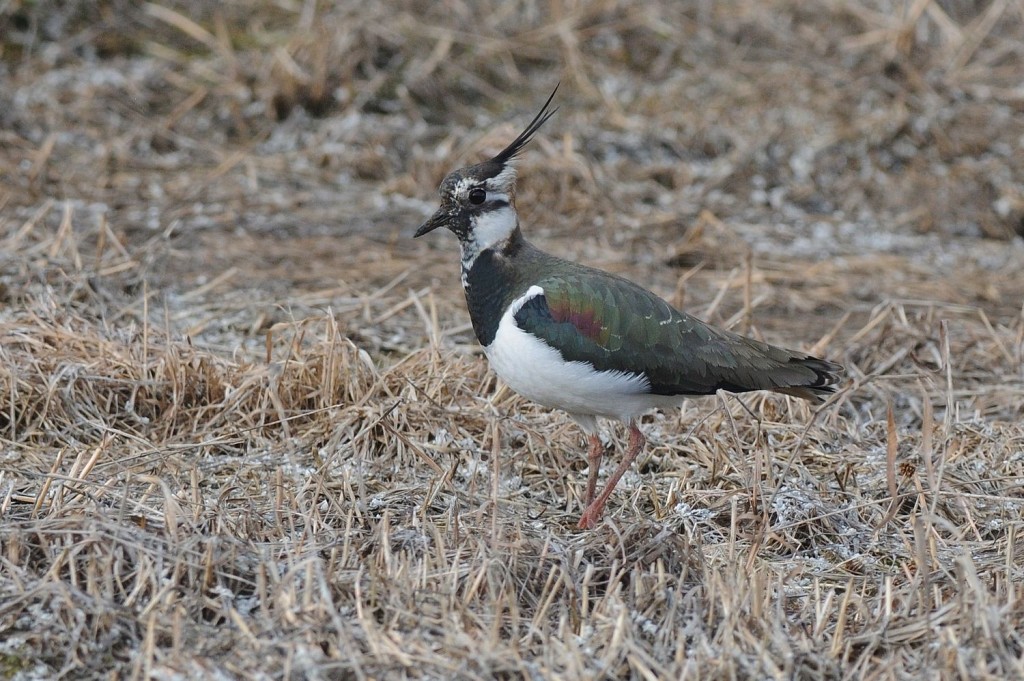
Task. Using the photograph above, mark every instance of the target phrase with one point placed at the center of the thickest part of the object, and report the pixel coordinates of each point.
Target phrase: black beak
(438, 219)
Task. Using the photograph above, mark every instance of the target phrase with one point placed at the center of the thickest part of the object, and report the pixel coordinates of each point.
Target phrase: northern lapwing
(588, 342)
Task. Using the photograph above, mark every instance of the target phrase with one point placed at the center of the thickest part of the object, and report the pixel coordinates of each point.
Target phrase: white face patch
(490, 228)
(493, 227)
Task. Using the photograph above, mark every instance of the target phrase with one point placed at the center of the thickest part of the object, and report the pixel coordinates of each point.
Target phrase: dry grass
(245, 431)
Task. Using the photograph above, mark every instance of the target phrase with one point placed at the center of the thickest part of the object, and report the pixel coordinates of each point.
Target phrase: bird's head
(478, 202)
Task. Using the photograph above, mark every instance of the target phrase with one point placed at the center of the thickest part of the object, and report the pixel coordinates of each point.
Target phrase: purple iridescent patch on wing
(586, 321)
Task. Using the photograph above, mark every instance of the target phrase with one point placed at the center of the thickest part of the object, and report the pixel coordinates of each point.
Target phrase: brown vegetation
(245, 431)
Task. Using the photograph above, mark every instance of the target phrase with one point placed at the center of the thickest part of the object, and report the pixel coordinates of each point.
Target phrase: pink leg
(593, 511)
(594, 455)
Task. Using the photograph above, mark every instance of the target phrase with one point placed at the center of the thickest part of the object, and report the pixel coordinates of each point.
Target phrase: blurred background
(849, 127)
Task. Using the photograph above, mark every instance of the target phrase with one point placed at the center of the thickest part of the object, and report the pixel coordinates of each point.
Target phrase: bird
(588, 342)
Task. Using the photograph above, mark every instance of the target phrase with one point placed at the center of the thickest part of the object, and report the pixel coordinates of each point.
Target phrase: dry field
(246, 432)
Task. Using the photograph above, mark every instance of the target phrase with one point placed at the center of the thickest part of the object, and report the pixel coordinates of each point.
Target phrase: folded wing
(613, 324)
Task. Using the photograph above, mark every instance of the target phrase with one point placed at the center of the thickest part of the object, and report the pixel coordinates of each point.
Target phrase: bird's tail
(820, 383)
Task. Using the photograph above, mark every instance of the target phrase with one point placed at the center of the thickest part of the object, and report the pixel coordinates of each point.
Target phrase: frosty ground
(246, 431)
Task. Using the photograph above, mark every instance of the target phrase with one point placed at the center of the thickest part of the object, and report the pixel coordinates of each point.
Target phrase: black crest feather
(513, 149)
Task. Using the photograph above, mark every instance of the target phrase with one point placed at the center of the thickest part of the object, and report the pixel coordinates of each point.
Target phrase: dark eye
(477, 196)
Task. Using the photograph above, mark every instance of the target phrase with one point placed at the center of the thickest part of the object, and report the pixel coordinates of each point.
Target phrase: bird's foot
(591, 516)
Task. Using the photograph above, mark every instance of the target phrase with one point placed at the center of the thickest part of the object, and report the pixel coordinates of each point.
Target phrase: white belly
(537, 371)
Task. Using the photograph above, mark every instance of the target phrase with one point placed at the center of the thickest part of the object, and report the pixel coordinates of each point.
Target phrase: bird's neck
(495, 231)
(492, 280)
